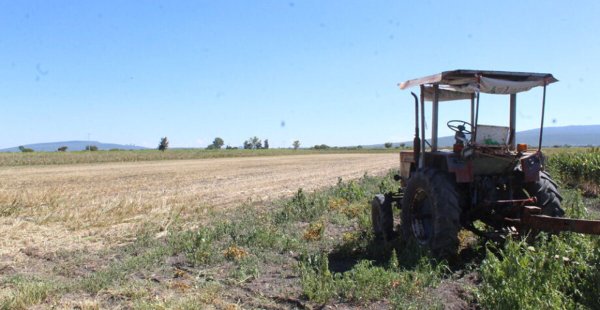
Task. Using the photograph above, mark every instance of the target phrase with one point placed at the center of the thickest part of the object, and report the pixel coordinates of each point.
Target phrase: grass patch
(555, 272)
(144, 254)
(23, 292)
(208, 296)
(367, 282)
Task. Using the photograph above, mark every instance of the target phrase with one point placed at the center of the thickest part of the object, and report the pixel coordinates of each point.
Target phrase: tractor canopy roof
(461, 84)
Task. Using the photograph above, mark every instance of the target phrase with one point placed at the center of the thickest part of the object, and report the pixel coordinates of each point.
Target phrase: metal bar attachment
(531, 219)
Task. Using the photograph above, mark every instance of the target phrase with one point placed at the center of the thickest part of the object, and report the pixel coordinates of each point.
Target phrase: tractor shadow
(347, 254)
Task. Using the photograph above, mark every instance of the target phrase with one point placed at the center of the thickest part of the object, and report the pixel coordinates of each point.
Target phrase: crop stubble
(94, 206)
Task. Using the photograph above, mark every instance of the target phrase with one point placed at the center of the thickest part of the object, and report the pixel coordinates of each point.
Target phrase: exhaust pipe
(417, 139)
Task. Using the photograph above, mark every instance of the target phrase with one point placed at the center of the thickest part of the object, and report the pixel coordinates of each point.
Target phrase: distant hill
(571, 135)
(567, 135)
(73, 146)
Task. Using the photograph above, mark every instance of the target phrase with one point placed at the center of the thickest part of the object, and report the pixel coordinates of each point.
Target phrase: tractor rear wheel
(546, 192)
(431, 212)
(382, 217)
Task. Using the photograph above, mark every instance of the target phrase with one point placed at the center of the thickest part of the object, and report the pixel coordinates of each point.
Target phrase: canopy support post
(474, 134)
(542, 123)
(513, 121)
(472, 110)
(434, 117)
(422, 157)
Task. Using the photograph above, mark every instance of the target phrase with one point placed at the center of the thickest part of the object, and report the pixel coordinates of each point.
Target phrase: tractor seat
(492, 136)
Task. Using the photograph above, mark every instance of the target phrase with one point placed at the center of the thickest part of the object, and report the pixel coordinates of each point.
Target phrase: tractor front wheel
(382, 217)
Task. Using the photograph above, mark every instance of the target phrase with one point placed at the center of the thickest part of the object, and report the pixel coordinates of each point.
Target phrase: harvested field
(95, 206)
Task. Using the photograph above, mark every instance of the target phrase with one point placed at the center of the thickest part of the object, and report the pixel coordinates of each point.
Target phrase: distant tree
(256, 143)
(91, 148)
(164, 144)
(359, 147)
(25, 149)
(217, 144)
(62, 149)
(296, 144)
(229, 147)
(253, 143)
(402, 145)
(321, 147)
(266, 144)
(388, 145)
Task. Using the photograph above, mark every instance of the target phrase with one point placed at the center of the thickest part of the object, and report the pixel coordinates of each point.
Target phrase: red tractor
(485, 176)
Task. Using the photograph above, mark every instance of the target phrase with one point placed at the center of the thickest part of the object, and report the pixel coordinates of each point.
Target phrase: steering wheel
(459, 126)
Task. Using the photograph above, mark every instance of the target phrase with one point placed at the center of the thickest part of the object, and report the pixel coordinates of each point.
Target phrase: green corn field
(576, 168)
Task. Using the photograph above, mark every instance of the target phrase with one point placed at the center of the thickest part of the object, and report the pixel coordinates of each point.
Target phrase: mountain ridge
(573, 135)
(73, 145)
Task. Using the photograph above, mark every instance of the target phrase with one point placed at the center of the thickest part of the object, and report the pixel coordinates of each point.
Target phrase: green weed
(26, 292)
(318, 283)
(198, 246)
(555, 273)
(246, 268)
(302, 207)
(350, 191)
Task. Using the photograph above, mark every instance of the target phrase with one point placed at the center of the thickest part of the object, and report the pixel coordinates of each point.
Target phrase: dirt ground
(89, 207)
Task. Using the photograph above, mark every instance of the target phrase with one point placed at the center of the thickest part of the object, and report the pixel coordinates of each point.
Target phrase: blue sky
(131, 72)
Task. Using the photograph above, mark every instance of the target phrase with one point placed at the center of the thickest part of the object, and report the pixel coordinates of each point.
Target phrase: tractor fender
(531, 166)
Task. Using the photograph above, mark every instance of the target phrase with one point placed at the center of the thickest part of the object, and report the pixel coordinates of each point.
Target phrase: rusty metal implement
(531, 218)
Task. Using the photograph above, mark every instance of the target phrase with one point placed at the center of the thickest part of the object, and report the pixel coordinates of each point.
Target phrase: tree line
(253, 143)
(60, 149)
